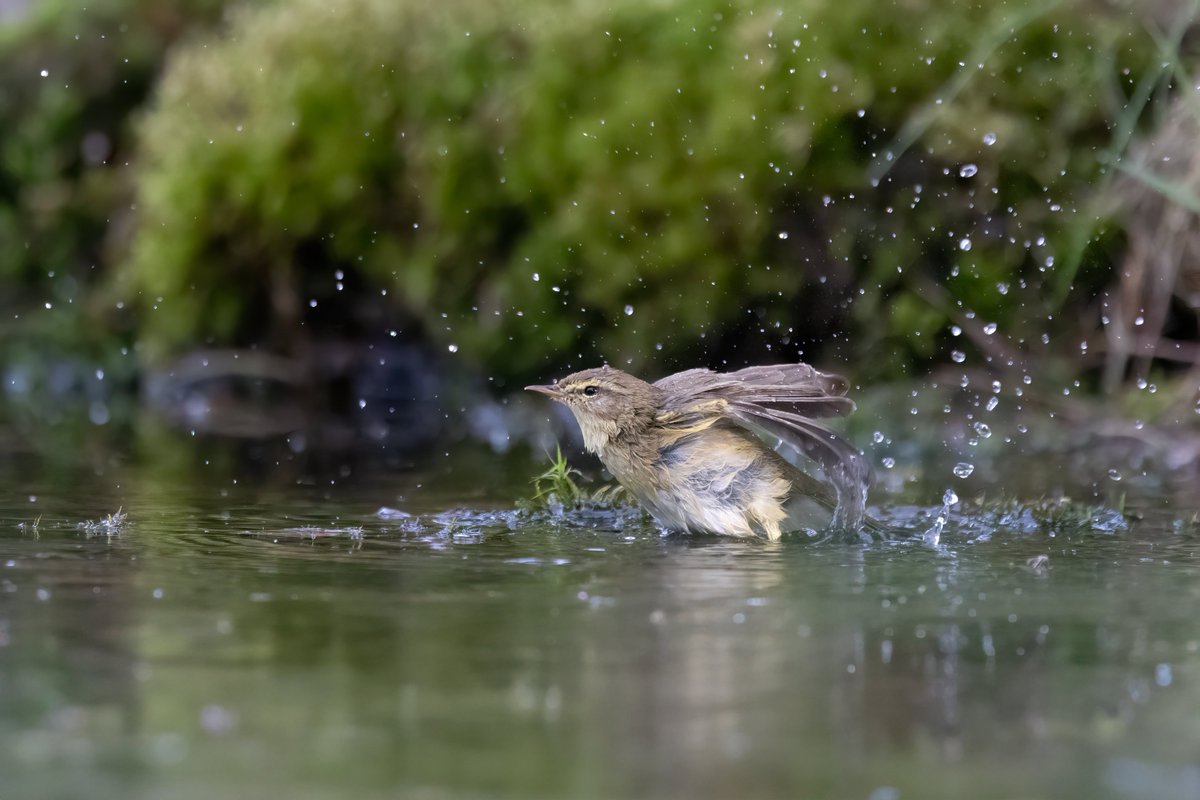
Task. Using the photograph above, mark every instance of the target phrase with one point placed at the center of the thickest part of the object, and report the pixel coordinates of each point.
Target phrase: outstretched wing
(788, 387)
(777, 404)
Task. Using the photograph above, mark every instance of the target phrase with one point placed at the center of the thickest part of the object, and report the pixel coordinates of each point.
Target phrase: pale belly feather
(744, 492)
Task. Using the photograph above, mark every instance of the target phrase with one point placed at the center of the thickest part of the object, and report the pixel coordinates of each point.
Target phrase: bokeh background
(248, 215)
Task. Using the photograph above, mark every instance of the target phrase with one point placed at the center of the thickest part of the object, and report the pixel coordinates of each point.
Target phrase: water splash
(933, 536)
(108, 526)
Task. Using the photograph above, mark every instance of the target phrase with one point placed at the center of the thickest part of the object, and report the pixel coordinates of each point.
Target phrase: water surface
(244, 634)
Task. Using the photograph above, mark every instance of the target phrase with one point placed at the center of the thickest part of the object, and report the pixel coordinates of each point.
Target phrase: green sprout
(559, 486)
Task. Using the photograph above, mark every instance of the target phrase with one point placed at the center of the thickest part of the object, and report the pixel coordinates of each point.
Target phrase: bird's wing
(788, 387)
(792, 435)
(691, 417)
(776, 403)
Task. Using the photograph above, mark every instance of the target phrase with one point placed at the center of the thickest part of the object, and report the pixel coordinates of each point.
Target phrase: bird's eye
(590, 391)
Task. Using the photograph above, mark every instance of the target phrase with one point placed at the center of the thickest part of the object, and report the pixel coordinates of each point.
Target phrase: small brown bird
(712, 452)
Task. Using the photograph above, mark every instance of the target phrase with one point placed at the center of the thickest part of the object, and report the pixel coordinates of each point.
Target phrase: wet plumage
(713, 452)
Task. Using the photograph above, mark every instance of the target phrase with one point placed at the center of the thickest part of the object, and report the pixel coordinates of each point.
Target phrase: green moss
(517, 176)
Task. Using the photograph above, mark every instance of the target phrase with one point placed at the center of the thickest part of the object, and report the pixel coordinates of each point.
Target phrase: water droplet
(1114, 475)
(45, 73)
(963, 469)
(958, 356)
(982, 429)
(98, 412)
(992, 403)
(968, 171)
(955, 330)
(629, 311)
(783, 234)
(964, 244)
(877, 437)
(888, 462)
(990, 328)
(453, 348)
(989, 138)
(949, 498)
(1162, 675)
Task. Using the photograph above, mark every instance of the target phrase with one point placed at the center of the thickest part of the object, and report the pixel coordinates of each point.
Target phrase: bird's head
(606, 403)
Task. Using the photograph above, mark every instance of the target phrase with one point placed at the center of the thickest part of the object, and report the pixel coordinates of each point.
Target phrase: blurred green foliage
(536, 182)
(532, 181)
(72, 74)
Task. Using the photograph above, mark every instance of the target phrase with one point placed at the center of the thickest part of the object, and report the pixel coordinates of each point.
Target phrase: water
(247, 634)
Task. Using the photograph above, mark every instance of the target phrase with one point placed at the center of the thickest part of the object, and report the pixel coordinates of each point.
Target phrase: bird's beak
(550, 390)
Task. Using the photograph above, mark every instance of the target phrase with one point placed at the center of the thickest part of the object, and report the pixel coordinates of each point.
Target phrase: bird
(719, 453)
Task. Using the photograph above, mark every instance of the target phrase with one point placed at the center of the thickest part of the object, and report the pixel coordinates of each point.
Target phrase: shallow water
(246, 635)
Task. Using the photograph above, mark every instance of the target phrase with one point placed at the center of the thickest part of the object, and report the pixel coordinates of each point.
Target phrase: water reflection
(295, 643)
(68, 655)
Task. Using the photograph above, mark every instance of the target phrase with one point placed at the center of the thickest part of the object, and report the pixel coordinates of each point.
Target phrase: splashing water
(933, 536)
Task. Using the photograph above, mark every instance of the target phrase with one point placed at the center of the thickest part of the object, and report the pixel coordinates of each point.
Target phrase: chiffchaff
(713, 452)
